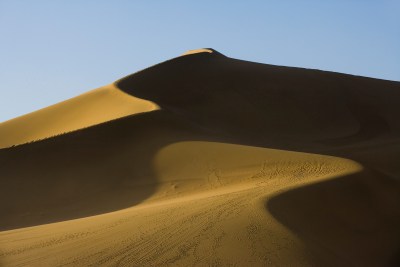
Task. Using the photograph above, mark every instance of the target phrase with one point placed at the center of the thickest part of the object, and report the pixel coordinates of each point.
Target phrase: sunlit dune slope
(205, 160)
(96, 106)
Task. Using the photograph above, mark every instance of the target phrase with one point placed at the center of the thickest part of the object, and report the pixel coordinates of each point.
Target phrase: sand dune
(205, 160)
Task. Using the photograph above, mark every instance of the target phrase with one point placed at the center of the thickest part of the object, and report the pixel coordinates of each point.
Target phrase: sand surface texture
(205, 160)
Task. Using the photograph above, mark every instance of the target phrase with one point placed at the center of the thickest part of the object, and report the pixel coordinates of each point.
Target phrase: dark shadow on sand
(346, 221)
(91, 171)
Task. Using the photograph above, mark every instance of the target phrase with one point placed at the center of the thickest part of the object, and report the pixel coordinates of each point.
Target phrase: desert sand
(206, 160)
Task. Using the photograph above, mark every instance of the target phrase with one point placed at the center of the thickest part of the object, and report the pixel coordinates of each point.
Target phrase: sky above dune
(54, 50)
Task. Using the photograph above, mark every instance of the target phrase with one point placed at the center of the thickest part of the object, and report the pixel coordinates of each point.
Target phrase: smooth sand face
(94, 107)
(213, 161)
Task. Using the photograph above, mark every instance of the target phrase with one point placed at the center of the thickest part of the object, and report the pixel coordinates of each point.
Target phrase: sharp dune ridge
(207, 160)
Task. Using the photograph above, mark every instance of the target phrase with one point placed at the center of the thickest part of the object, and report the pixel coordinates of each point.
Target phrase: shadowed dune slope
(242, 99)
(348, 221)
(205, 160)
(91, 171)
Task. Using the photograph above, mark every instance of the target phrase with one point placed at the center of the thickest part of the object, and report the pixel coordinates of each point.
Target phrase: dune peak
(201, 50)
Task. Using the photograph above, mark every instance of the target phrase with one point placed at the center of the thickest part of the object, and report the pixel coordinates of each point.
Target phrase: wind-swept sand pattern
(214, 207)
(212, 162)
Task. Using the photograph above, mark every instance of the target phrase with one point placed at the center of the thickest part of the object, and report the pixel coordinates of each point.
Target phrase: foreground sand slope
(197, 183)
(208, 207)
(215, 206)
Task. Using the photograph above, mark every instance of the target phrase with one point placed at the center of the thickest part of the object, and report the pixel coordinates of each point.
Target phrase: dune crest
(201, 50)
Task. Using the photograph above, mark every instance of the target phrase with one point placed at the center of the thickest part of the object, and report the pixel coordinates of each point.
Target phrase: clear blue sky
(54, 50)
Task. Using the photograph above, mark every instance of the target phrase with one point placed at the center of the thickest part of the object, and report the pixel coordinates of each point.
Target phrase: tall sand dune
(205, 160)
